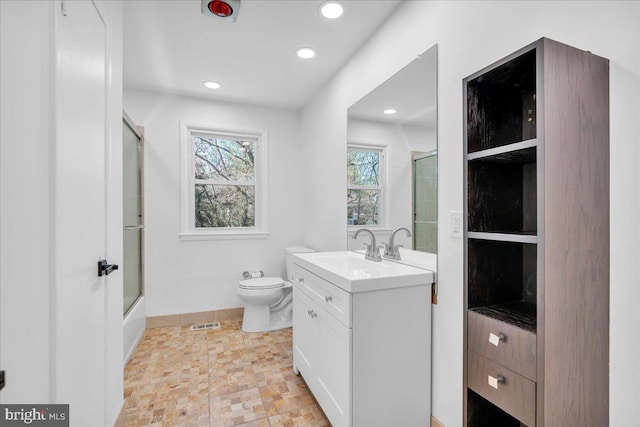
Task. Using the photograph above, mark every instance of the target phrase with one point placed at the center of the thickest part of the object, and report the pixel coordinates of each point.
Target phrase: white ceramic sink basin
(412, 258)
(353, 273)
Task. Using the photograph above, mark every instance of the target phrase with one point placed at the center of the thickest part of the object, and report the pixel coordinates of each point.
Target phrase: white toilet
(268, 301)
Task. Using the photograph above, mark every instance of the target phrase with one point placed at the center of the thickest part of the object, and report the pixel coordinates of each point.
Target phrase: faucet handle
(387, 249)
(396, 252)
(373, 252)
(376, 253)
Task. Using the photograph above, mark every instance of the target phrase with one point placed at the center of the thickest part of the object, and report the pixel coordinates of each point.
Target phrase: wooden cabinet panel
(512, 347)
(509, 391)
(537, 236)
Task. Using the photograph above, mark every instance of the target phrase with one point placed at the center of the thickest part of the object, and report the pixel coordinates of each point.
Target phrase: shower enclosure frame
(139, 132)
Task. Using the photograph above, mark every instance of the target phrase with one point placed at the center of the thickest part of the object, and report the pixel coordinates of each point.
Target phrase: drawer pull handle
(494, 381)
(495, 339)
(328, 298)
(312, 314)
(300, 280)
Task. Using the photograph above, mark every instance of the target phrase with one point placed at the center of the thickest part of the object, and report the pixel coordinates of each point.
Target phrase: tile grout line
(255, 380)
(182, 343)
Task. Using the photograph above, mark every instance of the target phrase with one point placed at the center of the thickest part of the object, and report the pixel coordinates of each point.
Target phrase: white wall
(24, 201)
(399, 140)
(470, 36)
(27, 117)
(193, 276)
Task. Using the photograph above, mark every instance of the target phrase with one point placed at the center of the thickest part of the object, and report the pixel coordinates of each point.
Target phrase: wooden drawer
(515, 349)
(514, 394)
(327, 295)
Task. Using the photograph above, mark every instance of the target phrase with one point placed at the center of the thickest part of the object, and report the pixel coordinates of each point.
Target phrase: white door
(80, 213)
(334, 369)
(305, 334)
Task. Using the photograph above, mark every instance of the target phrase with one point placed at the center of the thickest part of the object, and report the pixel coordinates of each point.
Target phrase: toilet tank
(288, 258)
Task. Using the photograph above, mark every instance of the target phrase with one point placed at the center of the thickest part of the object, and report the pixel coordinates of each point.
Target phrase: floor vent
(213, 325)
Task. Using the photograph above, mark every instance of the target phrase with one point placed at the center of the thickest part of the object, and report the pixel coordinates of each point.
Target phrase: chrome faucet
(391, 251)
(373, 254)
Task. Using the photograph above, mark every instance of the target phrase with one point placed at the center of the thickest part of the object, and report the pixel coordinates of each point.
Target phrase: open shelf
(501, 104)
(504, 153)
(482, 413)
(502, 193)
(517, 313)
(502, 281)
(524, 237)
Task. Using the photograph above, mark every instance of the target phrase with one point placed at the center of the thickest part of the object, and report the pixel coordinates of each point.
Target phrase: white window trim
(188, 231)
(382, 149)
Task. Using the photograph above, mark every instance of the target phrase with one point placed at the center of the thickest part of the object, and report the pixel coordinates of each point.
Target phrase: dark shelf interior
(501, 104)
(517, 313)
(482, 413)
(502, 193)
(502, 281)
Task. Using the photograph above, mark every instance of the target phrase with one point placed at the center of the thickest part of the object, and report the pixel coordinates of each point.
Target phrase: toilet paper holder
(253, 274)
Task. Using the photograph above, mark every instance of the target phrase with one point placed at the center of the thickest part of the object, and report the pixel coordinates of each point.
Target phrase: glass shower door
(132, 214)
(425, 203)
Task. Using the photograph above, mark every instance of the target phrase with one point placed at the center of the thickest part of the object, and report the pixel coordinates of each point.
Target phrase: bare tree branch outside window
(363, 187)
(224, 169)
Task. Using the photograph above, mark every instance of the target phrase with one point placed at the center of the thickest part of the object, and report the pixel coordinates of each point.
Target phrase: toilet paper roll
(253, 274)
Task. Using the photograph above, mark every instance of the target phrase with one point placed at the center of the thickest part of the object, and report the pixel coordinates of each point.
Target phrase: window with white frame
(365, 185)
(223, 182)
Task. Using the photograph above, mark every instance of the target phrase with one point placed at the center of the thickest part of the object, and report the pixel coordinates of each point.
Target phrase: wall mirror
(392, 162)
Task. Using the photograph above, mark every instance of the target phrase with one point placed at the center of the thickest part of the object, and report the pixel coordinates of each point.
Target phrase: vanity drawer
(509, 391)
(327, 295)
(511, 347)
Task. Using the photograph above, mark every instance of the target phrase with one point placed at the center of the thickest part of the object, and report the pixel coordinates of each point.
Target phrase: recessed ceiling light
(331, 9)
(306, 53)
(390, 111)
(212, 85)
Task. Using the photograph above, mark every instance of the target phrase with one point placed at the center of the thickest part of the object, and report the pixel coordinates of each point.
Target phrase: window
(223, 182)
(365, 185)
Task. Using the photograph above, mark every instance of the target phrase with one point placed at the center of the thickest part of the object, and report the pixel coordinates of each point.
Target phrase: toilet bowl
(268, 301)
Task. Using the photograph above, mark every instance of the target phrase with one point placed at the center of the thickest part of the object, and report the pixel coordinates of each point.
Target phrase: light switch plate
(456, 224)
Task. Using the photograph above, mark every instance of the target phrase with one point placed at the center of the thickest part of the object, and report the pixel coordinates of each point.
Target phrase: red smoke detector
(225, 9)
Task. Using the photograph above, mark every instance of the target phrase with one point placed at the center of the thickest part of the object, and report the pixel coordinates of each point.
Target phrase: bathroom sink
(353, 273)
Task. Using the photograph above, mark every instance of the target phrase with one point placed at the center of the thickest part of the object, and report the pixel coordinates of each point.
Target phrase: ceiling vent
(221, 9)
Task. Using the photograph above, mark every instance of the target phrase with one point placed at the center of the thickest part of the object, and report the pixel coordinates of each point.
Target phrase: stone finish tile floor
(217, 378)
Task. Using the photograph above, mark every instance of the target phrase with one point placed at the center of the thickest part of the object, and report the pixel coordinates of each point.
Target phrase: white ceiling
(169, 46)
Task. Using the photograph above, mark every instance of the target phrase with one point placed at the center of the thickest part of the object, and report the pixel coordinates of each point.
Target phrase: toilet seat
(262, 283)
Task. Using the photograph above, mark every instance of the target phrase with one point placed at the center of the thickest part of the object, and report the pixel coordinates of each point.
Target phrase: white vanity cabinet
(365, 355)
(321, 352)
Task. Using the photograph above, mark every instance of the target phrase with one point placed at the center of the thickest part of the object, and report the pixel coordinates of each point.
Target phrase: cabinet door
(305, 337)
(334, 376)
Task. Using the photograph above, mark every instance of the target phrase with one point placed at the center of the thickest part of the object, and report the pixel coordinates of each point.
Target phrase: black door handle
(105, 269)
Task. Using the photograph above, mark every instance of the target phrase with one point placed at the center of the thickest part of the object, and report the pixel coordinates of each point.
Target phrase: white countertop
(351, 272)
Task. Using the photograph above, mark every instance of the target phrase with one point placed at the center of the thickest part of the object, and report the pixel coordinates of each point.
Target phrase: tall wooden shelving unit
(537, 239)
